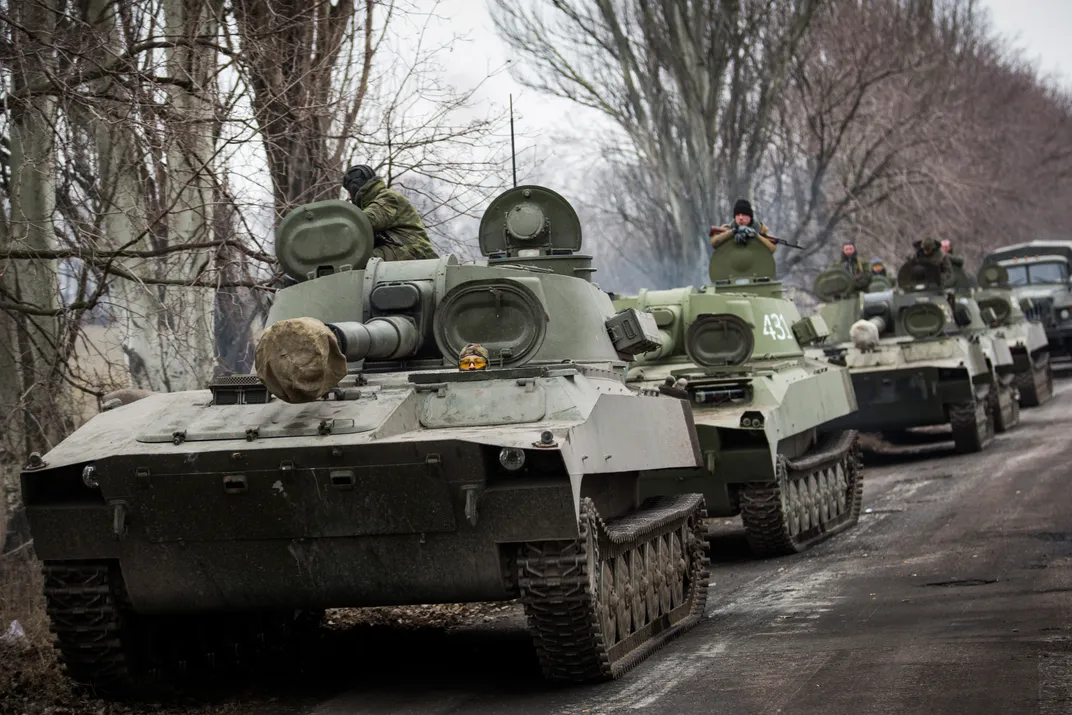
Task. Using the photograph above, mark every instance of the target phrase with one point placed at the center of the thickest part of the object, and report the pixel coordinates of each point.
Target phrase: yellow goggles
(472, 362)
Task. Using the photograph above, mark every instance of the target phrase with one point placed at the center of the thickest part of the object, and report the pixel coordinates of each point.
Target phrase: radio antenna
(513, 152)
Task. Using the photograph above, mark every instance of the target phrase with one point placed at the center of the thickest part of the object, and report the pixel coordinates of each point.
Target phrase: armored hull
(181, 526)
(765, 414)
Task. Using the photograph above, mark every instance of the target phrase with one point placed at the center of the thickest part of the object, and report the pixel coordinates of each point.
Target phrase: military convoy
(430, 431)
(764, 412)
(362, 467)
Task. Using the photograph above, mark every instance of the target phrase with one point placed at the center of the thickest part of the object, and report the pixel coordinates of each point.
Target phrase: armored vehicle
(1039, 278)
(417, 432)
(763, 411)
(921, 356)
(1026, 338)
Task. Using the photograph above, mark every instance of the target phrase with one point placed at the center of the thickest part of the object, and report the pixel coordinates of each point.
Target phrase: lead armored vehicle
(763, 411)
(919, 357)
(1039, 276)
(449, 433)
(1026, 338)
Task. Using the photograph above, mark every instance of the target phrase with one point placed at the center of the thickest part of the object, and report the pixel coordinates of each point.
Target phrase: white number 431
(776, 326)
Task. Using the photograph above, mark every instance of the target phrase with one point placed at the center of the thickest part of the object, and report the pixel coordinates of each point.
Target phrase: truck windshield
(1051, 272)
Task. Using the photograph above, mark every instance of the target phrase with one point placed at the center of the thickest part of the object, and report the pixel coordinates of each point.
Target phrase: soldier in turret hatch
(878, 267)
(929, 251)
(850, 261)
(744, 227)
(400, 233)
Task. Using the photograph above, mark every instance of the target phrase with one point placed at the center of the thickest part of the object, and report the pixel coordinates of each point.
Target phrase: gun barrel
(879, 322)
(380, 338)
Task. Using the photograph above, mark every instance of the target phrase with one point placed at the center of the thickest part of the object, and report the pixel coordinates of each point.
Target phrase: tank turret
(534, 227)
(735, 350)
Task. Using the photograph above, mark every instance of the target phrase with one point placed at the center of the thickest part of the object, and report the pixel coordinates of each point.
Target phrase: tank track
(1036, 385)
(104, 645)
(601, 604)
(973, 425)
(812, 499)
(1004, 405)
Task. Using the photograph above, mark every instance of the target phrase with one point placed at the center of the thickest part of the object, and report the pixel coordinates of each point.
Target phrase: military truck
(1038, 274)
(361, 466)
(763, 411)
(1026, 338)
(919, 357)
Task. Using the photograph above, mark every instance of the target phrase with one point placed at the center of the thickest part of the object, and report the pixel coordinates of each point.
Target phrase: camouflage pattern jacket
(400, 233)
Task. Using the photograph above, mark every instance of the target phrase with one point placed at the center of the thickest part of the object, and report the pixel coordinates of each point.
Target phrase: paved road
(952, 595)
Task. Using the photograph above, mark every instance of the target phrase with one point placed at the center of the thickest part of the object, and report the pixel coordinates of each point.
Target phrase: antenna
(513, 152)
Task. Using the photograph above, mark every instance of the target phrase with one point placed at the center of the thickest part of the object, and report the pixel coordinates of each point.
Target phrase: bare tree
(693, 88)
(330, 87)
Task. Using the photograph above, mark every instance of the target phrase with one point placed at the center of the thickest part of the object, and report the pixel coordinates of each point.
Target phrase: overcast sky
(1041, 28)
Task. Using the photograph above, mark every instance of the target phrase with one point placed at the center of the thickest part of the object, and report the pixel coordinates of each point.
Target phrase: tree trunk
(187, 322)
(35, 284)
(167, 331)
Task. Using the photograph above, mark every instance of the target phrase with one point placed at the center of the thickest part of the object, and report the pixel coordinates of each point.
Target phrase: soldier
(852, 263)
(878, 267)
(929, 251)
(744, 227)
(947, 246)
(473, 357)
(400, 233)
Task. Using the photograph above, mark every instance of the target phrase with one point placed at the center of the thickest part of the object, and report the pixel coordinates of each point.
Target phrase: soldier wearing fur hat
(744, 227)
(400, 233)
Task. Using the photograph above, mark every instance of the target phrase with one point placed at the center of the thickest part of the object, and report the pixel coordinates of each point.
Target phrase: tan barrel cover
(299, 360)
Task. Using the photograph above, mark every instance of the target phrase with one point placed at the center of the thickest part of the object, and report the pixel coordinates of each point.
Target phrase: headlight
(512, 458)
(720, 339)
(1064, 315)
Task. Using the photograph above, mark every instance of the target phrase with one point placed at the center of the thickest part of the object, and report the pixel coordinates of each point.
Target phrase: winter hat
(743, 207)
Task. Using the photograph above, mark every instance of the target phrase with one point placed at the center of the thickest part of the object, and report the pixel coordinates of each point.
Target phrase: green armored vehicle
(449, 433)
(1026, 338)
(1039, 276)
(763, 411)
(921, 356)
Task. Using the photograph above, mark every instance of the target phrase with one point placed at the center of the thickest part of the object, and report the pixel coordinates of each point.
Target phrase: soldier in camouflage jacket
(400, 233)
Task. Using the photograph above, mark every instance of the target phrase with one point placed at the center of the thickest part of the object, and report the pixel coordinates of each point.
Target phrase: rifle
(782, 241)
(729, 232)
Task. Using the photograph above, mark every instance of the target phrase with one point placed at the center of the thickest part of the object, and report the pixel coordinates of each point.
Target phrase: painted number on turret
(776, 326)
